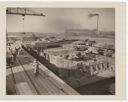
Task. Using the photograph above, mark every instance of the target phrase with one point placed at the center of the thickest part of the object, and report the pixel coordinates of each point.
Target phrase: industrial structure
(64, 64)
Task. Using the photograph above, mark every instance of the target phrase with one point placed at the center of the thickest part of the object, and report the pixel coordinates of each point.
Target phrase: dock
(21, 81)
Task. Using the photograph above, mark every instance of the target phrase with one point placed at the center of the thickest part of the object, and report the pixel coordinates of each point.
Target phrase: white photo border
(120, 33)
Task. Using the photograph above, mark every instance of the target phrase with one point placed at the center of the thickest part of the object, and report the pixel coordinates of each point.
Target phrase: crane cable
(23, 18)
(23, 24)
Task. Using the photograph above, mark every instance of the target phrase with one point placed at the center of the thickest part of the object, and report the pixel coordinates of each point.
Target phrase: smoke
(63, 24)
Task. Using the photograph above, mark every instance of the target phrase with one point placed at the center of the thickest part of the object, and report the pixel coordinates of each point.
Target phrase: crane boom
(23, 12)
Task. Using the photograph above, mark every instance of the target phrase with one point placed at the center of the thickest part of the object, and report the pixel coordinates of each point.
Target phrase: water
(97, 88)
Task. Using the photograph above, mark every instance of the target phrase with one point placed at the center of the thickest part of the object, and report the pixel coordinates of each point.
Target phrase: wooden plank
(65, 88)
(38, 84)
(51, 88)
(36, 80)
(55, 89)
(42, 82)
(46, 83)
(10, 84)
(47, 86)
(59, 83)
(20, 76)
(23, 89)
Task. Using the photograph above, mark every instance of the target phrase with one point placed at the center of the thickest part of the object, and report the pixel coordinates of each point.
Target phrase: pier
(21, 81)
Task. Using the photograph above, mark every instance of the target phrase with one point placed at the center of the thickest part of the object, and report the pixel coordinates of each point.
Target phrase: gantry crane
(23, 12)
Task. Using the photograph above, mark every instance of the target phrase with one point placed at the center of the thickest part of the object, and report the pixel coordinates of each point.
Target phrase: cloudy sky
(59, 19)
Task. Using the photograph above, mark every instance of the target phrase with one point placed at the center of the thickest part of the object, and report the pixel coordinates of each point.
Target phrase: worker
(9, 59)
(36, 67)
(15, 53)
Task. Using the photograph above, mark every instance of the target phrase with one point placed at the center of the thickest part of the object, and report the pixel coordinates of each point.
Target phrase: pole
(97, 22)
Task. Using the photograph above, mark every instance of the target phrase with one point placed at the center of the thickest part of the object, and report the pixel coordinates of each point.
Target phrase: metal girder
(24, 13)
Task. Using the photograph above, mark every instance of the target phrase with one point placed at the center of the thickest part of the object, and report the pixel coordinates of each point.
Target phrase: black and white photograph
(60, 51)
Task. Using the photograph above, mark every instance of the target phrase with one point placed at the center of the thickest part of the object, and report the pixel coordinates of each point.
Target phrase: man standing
(36, 67)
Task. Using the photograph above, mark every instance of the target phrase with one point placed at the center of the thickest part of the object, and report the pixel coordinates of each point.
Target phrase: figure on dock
(36, 67)
(9, 60)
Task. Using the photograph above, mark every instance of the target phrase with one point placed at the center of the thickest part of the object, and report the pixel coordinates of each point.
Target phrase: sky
(57, 20)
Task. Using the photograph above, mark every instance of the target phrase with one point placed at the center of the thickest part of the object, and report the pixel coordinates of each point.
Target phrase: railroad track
(42, 85)
(28, 76)
(20, 64)
(41, 75)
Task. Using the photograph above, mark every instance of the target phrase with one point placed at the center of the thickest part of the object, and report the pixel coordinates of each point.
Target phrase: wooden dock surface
(21, 81)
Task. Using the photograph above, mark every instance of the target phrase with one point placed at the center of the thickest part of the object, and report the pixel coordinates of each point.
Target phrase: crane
(23, 12)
